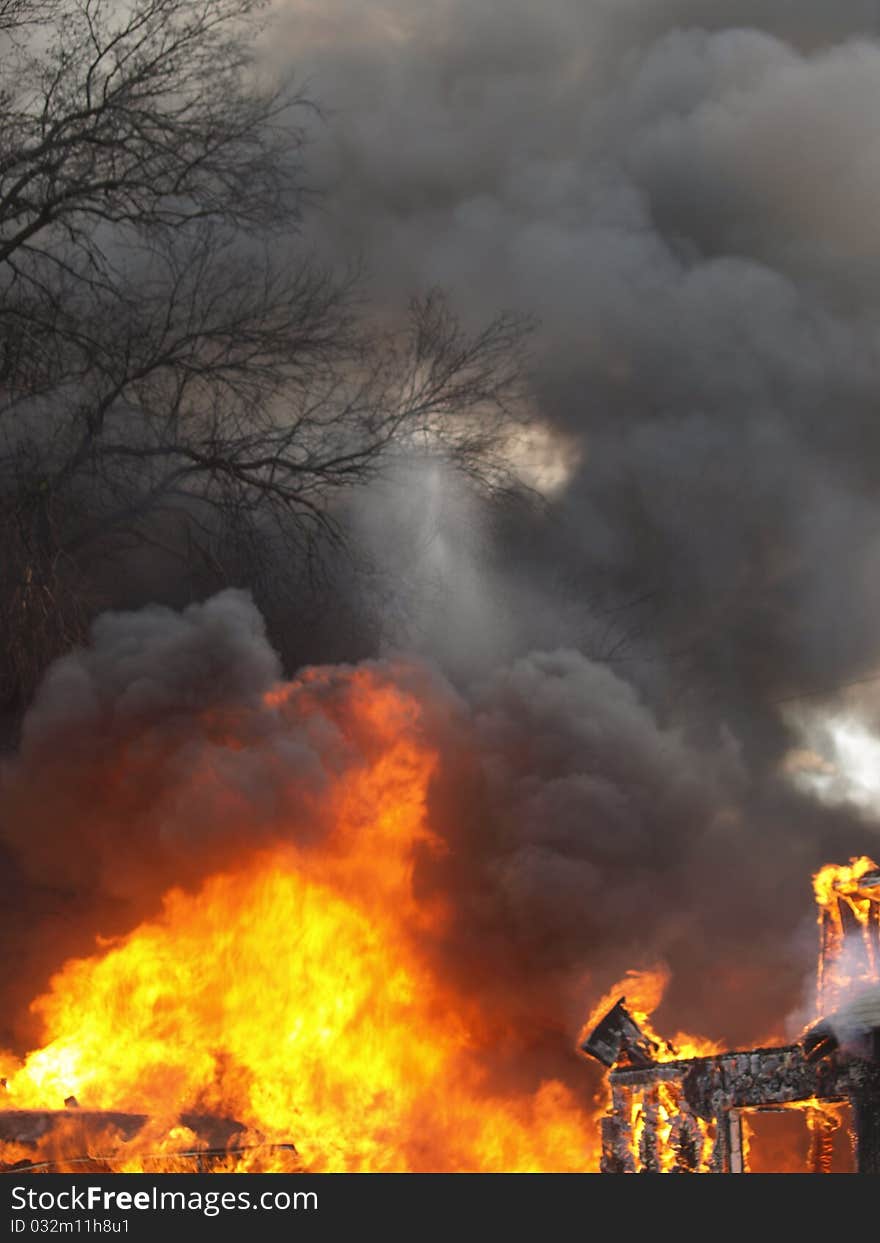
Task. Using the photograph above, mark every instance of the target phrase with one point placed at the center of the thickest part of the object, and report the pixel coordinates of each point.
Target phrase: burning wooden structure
(688, 1115)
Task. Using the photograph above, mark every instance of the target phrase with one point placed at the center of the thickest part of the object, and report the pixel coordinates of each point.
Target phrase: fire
(687, 1110)
(796, 1138)
(643, 991)
(848, 900)
(841, 879)
(295, 1009)
(659, 1124)
(297, 994)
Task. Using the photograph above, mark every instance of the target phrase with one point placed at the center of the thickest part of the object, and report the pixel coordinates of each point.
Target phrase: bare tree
(171, 374)
(17, 13)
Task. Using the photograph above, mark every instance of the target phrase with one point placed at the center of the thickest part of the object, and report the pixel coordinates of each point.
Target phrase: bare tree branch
(173, 376)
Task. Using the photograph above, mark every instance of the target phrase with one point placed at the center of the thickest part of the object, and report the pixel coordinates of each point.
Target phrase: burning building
(670, 1113)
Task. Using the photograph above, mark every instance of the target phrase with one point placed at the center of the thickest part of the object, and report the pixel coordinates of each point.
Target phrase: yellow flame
(297, 995)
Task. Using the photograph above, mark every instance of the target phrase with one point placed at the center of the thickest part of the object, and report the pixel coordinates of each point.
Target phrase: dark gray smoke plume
(684, 193)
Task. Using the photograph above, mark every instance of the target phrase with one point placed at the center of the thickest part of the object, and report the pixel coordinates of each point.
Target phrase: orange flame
(840, 878)
(297, 995)
(849, 930)
(643, 992)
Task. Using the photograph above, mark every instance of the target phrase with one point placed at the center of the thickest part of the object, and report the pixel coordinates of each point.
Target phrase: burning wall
(674, 1113)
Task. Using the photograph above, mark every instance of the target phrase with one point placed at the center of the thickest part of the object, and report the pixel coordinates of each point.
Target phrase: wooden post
(866, 1117)
(736, 1157)
(649, 1140)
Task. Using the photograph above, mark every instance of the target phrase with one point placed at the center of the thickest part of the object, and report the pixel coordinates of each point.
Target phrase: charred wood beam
(736, 1163)
(772, 1077)
(686, 1141)
(617, 1039)
(649, 1143)
(617, 1155)
(617, 1138)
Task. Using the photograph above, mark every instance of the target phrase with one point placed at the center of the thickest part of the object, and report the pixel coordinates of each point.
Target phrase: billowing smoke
(685, 197)
(164, 751)
(685, 194)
